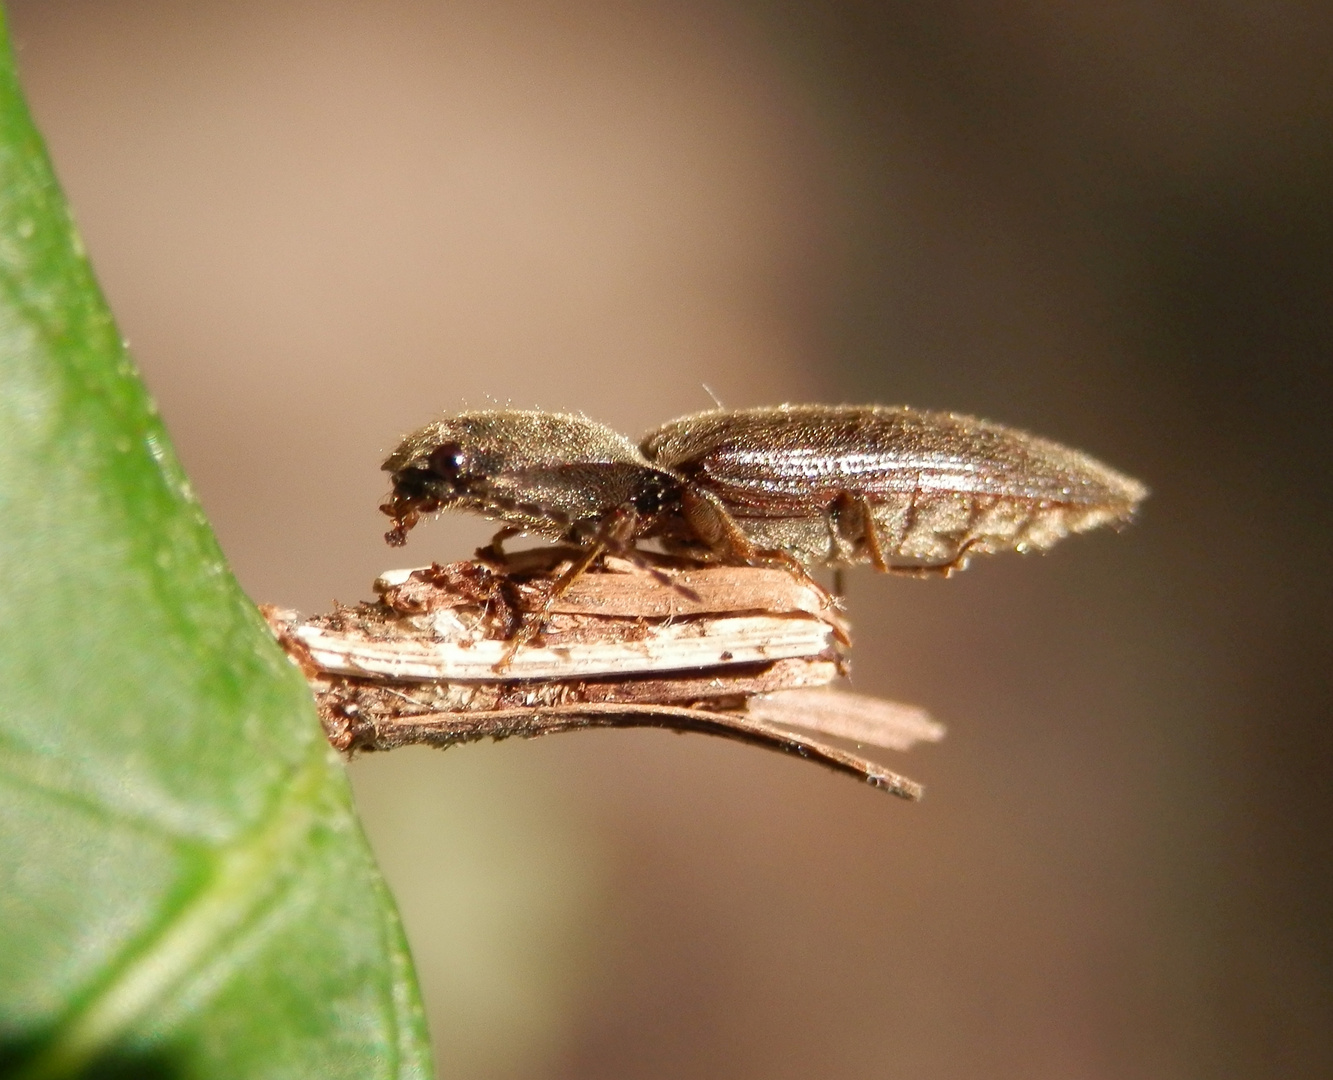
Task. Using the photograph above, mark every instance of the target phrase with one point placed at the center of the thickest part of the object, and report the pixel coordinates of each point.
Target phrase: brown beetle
(806, 485)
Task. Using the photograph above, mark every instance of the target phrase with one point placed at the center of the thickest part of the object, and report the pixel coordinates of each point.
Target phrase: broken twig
(742, 652)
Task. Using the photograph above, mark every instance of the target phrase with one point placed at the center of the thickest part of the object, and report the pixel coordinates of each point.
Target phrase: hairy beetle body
(900, 488)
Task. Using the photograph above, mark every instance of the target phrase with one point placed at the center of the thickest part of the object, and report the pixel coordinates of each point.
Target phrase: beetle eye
(448, 460)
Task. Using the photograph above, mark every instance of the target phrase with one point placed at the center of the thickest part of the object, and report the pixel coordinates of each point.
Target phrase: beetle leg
(854, 531)
(841, 520)
(717, 530)
(532, 624)
(714, 526)
(618, 532)
(777, 557)
(942, 570)
(614, 534)
(871, 535)
(839, 584)
(493, 553)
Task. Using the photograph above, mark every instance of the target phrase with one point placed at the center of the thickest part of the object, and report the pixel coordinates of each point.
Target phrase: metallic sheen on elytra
(897, 487)
(900, 488)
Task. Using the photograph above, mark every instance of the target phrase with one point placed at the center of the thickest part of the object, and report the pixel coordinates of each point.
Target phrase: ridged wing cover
(937, 484)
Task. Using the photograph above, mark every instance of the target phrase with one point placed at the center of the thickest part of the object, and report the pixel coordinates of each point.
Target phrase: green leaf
(184, 890)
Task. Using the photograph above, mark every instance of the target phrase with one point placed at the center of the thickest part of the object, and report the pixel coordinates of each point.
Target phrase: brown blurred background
(320, 224)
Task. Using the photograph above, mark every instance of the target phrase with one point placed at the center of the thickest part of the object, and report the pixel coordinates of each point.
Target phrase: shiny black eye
(448, 461)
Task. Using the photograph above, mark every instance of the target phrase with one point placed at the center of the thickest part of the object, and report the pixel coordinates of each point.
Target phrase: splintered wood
(474, 650)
